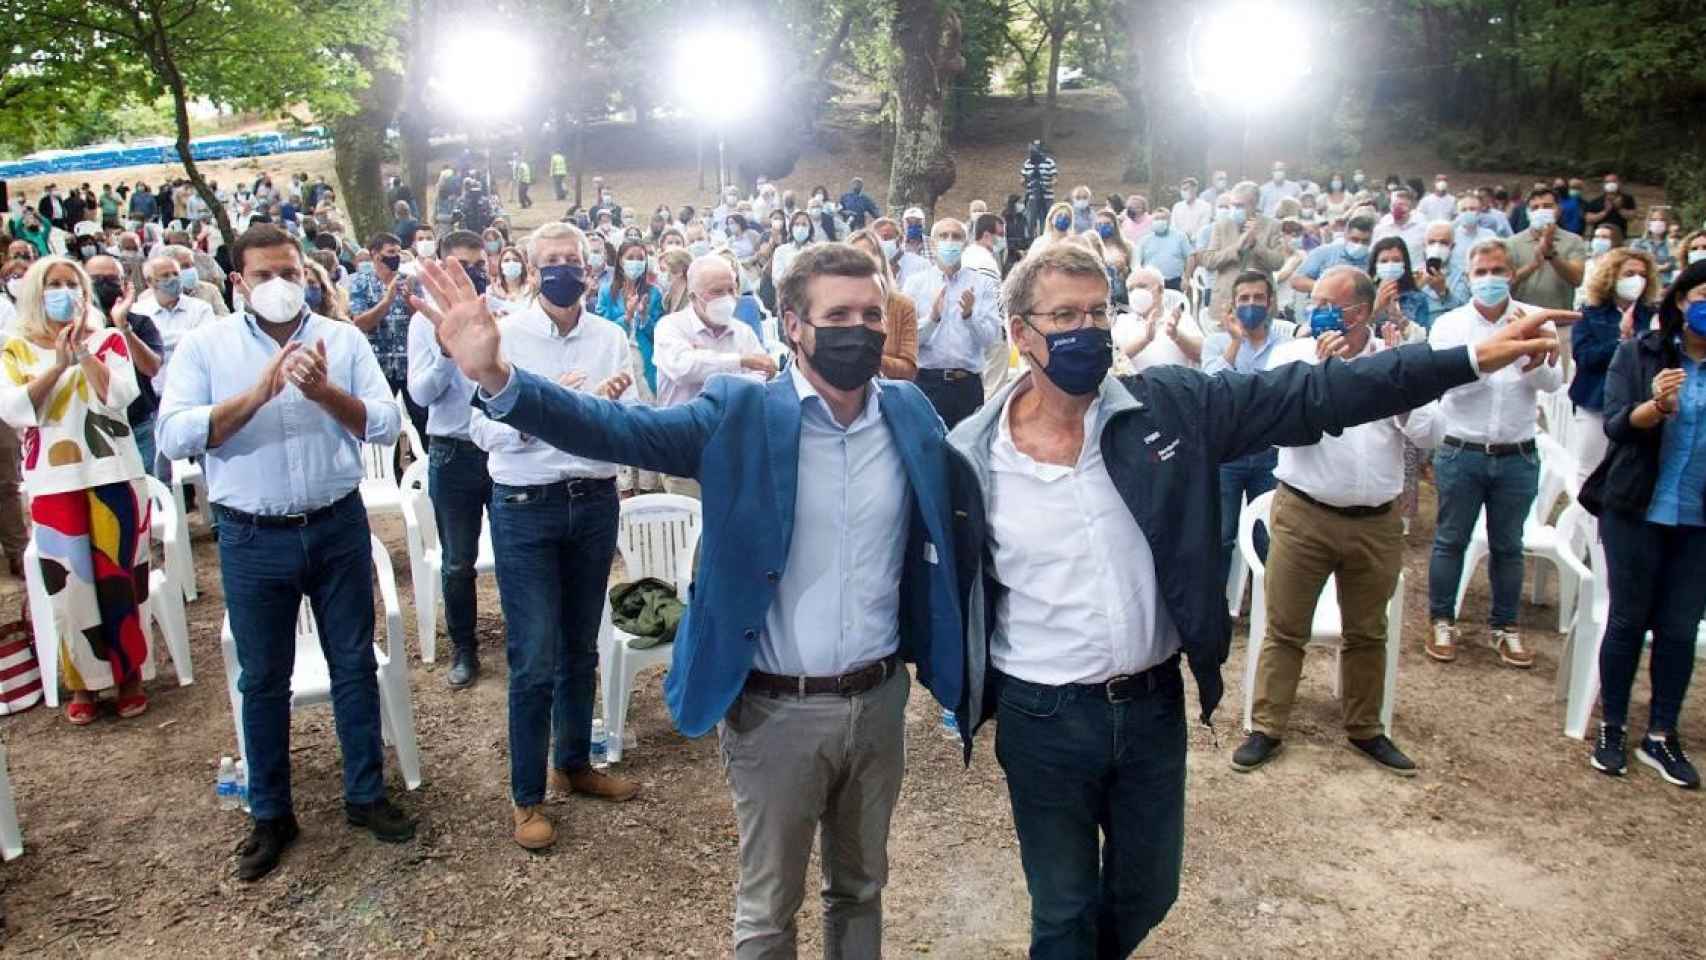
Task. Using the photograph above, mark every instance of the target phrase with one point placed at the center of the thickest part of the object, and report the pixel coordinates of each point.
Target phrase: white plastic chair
(426, 556)
(1327, 628)
(188, 473)
(1540, 538)
(171, 531)
(311, 682)
(659, 538)
(11, 837)
(1578, 666)
(411, 436)
(164, 606)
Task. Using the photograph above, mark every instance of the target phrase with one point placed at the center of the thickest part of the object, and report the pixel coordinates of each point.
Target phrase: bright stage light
(1249, 54)
(719, 73)
(484, 71)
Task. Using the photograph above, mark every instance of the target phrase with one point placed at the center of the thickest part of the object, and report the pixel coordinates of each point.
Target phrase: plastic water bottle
(600, 746)
(225, 788)
(950, 724)
(243, 785)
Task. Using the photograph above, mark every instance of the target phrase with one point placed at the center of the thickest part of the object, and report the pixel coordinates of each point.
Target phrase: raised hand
(1626, 326)
(308, 370)
(1527, 334)
(1392, 334)
(1332, 345)
(273, 376)
(967, 301)
(65, 346)
(614, 386)
(120, 314)
(573, 380)
(1665, 387)
(466, 329)
(941, 301)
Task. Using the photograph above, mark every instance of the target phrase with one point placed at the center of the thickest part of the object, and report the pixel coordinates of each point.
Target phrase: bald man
(959, 318)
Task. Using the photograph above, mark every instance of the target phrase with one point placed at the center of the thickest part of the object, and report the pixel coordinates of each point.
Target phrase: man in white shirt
(1486, 459)
(1440, 204)
(959, 316)
(174, 312)
(554, 518)
(904, 262)
(1278, 188)
(1334, 515)
(702, 340)
(1402, 222)
(985, 254)
(1192, 212)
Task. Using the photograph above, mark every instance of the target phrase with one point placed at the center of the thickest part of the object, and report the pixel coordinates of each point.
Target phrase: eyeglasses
(1068, 319)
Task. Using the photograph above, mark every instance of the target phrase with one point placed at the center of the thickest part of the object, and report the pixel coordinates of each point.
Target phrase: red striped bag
(20, 678)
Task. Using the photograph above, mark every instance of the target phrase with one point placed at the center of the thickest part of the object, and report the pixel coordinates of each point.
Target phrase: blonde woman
(65, 381)
(513, 286)
(1056, 227)
(672, 270)
(1622, 299)
(319, 292)
(900, 342)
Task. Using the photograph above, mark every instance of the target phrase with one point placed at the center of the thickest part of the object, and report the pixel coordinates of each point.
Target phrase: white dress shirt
(909, 265)
(1414, 233)
(435, 382)
(1081, 603)
(1436, 206)
(1193, 216)
(980, 258)
(1361, 467)
(837, 607)
(174, 323)
(955, 342)
(687, 352)
(1499, 407)
(531, 341)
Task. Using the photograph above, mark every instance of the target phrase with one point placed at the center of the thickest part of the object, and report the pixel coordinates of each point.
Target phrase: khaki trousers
(14, 533)
(1308, 543)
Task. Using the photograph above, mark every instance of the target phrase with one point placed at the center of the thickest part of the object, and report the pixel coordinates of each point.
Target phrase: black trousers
(956, 394)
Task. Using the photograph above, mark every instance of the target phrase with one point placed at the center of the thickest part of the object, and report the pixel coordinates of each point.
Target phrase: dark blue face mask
(1062, 222)
(1106, 230)
(1326, 318)
(1078, 360)
(562, 284)
(914, 231)
(1695, 317)
(1252, 316)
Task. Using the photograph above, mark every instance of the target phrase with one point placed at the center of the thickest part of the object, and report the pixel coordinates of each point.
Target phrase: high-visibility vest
(559, 165)
(523, 173)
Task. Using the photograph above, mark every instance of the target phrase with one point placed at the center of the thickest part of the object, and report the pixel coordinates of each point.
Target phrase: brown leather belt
(851, 684)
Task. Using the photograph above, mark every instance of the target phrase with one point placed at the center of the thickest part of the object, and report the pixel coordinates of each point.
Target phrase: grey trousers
(825, 765)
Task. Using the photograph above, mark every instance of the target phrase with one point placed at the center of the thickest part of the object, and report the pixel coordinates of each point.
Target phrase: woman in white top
(799, 237)
(513, 286)
(65, 381)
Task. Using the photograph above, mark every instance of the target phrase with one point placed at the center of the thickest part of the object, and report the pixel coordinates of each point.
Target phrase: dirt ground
(1506, 846)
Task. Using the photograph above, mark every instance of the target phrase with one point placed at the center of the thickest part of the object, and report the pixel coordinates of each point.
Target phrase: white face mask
(720, 311)
(1439, 251)
(1541, 219)
(1141, 301)
(15, 287)
(1388, 270)
(426, 248)
(511, 269)
(1631, 288)
(1656, 227)
(278, 300)
(1611, 186)
(1694, 257)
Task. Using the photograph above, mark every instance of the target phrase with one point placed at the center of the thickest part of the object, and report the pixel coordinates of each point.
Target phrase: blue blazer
(741, 440)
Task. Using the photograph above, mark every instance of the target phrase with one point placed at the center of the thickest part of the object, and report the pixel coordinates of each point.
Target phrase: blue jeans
(1098, 793)
(460, 489)
(1468, 480)
(1652, 573)
(266, 572)
(553, 552)
(1243, 480)
(143, 433)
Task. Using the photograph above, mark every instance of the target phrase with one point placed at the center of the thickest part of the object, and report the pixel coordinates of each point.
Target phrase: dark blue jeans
(1242, 480)
(1654, 577)
(1098, 793)
(460, 489)
(553, 550)
(1467, 481)
(266, 572)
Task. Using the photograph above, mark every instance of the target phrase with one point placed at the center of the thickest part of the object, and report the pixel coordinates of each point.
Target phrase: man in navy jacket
(824, 564)
(1087, 527)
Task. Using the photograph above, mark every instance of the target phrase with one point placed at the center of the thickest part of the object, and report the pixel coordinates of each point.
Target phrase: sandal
(132, 706)
(81, 712)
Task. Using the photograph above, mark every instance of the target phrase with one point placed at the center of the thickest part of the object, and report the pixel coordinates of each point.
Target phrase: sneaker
(1258, 748)
(267, 841)
(1508, 642)
(1442, 646)
(382, 818)
(464, 668)
(533, 830)
(1611, 751)
(593, 783)
(1383, 751)
(1667, 758)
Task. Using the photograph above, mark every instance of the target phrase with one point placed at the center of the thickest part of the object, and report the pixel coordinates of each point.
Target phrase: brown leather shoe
(533, 830)
(1440, 643)
(593, 783)
(1508, 642)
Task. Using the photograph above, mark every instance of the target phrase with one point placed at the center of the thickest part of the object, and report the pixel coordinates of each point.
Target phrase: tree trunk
(1056, 37)
(1173, 141)
(358, 147)
(413, 123)
(921, 168)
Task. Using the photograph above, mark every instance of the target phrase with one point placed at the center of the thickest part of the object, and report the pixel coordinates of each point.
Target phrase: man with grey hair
(959, 317)
(554, 517)
(1249, 240)
(1334, 514)
(174, 312)
(195, 281)
(1085, 579)
(701, 340)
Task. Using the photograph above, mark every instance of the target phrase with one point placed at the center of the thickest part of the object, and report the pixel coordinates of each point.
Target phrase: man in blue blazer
(824, 565)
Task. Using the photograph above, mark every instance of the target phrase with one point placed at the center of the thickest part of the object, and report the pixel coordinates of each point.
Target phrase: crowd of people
(960, 444)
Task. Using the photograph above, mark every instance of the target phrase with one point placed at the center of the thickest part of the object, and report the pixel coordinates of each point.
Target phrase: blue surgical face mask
(1105, 230)
(314, 296)
(1490, 290)
(1465, 221)
(188, 277)
(1388, 270)
(169, 286)
(634, 269)
(1079, 359)
(1354, 250)
(1160, 227)
(1252, 316)
(802, 234)
(1326, 318)
(948, 253)
(1239, 216)
(61, 304)
(1601, 245)
(1695, 317)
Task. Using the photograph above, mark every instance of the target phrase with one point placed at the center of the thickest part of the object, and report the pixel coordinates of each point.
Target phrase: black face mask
(848, 357)
(477, 275)
(392, 262)
(107, 291)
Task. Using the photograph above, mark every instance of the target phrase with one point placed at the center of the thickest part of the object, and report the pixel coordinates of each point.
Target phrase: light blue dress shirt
(435, 382)
(1248, 359)
(292, 456)
(837, 606)
(1165, 253)
(956, 342)
(1679, 496)
(1328, 256)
